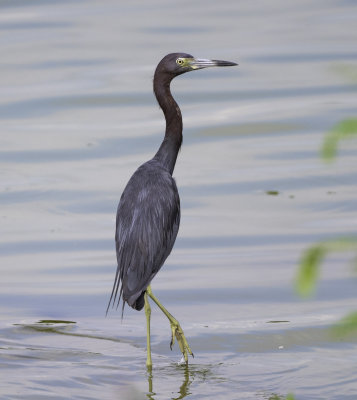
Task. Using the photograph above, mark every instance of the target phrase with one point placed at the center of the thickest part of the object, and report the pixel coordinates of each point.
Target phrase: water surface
(77, 116)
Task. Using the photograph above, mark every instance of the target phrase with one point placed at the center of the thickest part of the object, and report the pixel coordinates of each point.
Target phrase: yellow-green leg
(148, 346)
(176, 330)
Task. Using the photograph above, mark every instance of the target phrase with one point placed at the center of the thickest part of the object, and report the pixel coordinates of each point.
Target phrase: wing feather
(147, 223)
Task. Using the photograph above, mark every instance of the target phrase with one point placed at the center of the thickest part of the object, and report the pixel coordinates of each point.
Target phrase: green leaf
(277, 397)
(312, 258)
(342, 130)
(309, 269)
(346, 326)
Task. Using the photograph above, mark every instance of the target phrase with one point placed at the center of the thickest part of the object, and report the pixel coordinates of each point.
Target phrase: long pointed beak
(198, 63)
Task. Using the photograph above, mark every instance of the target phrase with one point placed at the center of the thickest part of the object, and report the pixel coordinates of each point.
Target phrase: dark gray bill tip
(220, 63)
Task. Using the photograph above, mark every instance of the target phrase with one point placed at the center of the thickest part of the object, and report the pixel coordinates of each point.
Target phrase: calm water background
(77, 116)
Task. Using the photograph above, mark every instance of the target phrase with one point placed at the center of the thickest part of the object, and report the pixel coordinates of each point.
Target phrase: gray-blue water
(77, 116)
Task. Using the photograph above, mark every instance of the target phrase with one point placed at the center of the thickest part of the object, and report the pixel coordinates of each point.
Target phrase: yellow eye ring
(179, 61)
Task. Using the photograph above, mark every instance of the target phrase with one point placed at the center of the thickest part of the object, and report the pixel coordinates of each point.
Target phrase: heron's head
(178, 63)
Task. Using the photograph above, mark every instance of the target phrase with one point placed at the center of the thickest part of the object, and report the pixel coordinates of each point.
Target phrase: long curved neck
(171, 144)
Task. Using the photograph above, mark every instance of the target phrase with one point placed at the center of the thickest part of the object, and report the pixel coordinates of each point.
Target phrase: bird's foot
(176, 331)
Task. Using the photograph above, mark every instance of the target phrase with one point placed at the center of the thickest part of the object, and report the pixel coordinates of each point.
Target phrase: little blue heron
(148, 214)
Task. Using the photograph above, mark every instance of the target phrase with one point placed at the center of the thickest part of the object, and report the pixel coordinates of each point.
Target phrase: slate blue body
(147, 223)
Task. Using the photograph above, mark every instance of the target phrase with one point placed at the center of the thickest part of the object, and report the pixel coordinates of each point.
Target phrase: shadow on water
(188, 374)
(184, 388)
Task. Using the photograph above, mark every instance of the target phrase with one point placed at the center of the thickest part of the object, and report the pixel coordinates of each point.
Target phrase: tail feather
(140, 302)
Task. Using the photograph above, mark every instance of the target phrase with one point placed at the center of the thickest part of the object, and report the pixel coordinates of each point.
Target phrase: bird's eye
(179, 61)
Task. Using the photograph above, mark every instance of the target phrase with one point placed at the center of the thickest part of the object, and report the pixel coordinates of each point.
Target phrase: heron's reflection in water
(184, 388)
